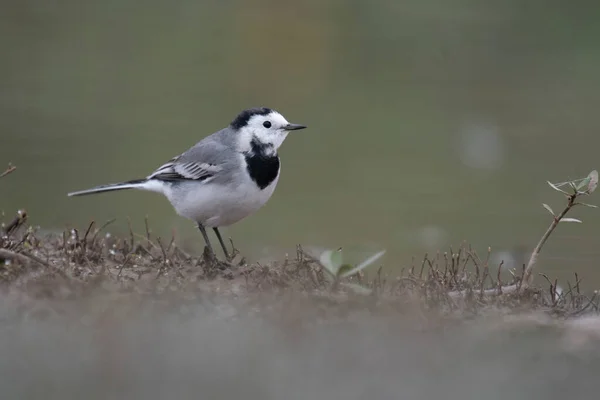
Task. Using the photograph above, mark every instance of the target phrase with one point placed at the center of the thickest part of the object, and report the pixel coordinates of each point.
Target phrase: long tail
(135, 184)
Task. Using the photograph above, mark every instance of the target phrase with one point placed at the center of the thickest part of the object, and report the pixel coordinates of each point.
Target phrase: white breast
(215, 205)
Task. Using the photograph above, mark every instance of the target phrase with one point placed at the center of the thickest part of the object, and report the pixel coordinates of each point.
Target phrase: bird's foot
(210, 260)
(209, 256)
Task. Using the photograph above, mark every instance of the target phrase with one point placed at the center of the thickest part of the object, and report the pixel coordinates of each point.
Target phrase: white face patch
(268, 129)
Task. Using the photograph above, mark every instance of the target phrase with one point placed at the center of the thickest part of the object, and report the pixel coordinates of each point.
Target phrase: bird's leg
(222, 243)
(205, 236)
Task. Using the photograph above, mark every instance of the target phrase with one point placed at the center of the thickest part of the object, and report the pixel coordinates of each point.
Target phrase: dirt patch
(88, 315)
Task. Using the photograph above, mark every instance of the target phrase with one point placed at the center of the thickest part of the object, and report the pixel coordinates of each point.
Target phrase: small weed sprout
(572, 190)
(336, 270)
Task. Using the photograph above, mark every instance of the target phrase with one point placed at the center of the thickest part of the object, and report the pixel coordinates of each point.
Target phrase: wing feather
(205, 161)
(175, 170)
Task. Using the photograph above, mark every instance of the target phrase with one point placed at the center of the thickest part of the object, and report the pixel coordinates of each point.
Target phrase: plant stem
(11, 168)
(527, 275)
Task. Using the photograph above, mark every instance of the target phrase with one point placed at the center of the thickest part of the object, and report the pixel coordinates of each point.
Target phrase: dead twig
(21, 258)
(11, 168)
(16, 222)
(107, 223)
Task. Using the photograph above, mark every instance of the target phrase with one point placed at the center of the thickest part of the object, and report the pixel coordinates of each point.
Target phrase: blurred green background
(430, 122)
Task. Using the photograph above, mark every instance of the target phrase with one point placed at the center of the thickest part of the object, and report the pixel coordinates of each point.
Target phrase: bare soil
(88, 315)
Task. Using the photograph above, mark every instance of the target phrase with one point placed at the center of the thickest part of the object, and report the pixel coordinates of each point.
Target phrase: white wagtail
(223, 178)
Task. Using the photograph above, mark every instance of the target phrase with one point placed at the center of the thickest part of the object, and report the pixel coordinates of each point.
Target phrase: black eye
(267, 124)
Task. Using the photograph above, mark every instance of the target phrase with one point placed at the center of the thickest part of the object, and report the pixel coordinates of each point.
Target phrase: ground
(88, 315)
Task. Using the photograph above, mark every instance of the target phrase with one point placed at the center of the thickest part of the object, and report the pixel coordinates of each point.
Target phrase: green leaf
(331, 261)
(327, 261)
(363, 264)
(547, 207)
(553, 186)
(593, 184)
(571, 220)
(336, 258)
(358, 289)
(344, 268)
(584, 183)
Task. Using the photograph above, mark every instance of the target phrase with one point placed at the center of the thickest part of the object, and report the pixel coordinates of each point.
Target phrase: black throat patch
(262, 164)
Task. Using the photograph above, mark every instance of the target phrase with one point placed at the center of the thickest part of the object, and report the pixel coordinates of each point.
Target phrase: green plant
(336, 270)
(574, 190)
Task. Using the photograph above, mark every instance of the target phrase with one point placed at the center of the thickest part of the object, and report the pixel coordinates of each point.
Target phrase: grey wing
(200, 163)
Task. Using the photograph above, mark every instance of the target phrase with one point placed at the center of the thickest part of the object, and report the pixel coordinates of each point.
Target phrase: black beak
(293, 127)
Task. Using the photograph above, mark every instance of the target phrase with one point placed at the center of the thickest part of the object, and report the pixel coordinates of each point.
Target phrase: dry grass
(79, 263)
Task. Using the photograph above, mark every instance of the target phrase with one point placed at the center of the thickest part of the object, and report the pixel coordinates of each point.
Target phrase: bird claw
(210, 258)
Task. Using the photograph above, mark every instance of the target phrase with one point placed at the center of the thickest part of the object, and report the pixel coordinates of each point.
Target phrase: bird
(223, 178)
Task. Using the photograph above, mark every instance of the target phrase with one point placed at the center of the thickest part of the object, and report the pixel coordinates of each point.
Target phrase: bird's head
(264, 125)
